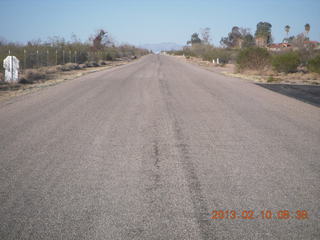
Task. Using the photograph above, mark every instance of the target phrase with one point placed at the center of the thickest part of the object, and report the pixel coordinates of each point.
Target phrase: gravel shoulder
(10, 91)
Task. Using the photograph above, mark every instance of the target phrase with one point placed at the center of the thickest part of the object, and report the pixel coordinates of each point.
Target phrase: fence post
(37, 58)
(47, 58)
(63, 57)
(24, 58)
(56, 57)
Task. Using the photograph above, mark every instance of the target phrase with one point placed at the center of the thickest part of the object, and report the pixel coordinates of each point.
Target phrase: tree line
(256, 51)
(240, 37)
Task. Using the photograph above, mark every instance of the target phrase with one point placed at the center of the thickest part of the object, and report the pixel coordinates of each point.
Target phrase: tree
(194, 39)
(248, 41)
(3, 41)
(238, 37)
(264, 31)
(101, 39)
(307, 28)
(205, 34)
(287, 29)
(291, 39)
(299, 40)
(75, 39)
(233, 38)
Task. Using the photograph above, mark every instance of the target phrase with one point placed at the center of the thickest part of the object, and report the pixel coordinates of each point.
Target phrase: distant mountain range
(158, 47)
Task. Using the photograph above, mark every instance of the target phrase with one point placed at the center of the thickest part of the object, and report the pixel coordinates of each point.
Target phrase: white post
(11, 68)
(218, 62)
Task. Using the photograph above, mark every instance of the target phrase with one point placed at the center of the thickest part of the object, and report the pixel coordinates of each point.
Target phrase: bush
(82, 66)
(92, 64)
(102, 63)
(51, 70)
(224, 55)
(253, 59)
(286, 62)
(207, 53)
(314, 65)
(32, 75)
(70, 66)
(273, 79)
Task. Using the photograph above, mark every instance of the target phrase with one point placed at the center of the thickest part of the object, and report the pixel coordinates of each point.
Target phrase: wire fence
(38, 58)
(32, 57)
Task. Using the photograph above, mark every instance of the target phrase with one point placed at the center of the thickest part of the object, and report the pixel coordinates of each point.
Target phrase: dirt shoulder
(8, 91)
(299, 78)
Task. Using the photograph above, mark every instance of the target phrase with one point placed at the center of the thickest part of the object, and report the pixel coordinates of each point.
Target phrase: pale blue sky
(150, 21)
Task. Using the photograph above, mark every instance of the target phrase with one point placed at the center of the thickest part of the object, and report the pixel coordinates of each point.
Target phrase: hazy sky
(150, 21)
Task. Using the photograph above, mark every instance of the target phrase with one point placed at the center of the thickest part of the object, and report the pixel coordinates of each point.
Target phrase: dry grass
(299, 78)
(69, 67)
(31, 75)
(51, 76)
(266, 76)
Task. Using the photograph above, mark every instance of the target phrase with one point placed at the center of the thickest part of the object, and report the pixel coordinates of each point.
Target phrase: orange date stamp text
(263, 214)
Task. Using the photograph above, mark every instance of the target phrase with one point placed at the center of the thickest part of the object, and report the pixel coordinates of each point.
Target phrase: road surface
(150, 150)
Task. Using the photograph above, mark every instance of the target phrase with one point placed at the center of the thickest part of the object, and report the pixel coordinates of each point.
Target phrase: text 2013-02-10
(264, 214)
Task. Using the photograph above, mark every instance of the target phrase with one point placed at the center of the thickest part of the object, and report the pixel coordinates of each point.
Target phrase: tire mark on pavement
(200, 207)
(156, 154)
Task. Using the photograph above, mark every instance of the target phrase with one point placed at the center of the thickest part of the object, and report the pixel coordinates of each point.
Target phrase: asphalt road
(150, 149)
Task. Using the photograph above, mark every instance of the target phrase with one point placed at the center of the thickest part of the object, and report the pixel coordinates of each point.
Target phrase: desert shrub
(70, 66)
(270, 79)
(286, 62)
(31, 75)
(92, 64)
(207, 53)
(111, 54)
(314, 64)
(188, 52)
(253, 59)
(273, 79)
(51, 70)
(82, 66)
(102, 63)
(224, 55)
(180, 52)
(109, 57)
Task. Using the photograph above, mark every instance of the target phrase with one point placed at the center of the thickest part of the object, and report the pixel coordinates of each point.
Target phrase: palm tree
(287, 29)
(307, 28)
